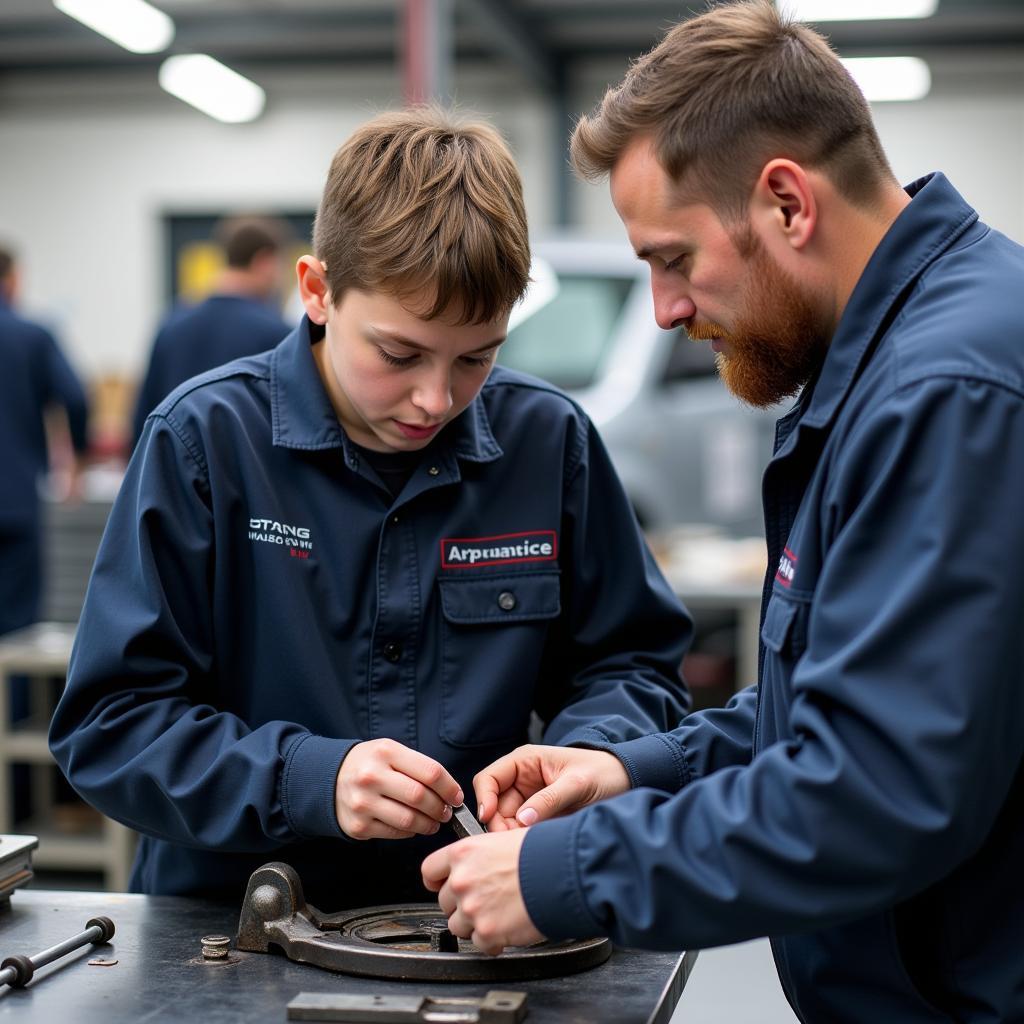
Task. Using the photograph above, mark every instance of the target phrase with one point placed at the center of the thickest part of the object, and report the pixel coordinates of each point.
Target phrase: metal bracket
(495, 1008)
(408, 941)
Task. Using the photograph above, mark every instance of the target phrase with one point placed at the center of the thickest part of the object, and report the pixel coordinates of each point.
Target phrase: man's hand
(477, 882)
(534, 782)
(386, 790)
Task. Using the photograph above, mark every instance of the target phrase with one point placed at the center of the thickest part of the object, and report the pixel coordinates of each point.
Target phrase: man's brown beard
(779, 340)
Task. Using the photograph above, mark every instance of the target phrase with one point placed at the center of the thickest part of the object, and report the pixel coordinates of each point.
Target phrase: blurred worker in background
(240, 318)
(341, 576)
(864, 805)
(34, 377)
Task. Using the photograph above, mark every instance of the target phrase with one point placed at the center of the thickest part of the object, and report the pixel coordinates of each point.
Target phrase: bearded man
(862, 804)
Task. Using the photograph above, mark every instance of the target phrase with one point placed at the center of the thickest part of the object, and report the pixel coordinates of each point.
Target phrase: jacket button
(506, 600)
(392, 651)
(433, 471)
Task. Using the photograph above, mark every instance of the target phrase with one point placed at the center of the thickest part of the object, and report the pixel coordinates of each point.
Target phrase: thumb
(565, 794)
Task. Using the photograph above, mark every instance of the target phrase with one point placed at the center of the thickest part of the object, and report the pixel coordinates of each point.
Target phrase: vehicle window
(688, 359)
(566, 339)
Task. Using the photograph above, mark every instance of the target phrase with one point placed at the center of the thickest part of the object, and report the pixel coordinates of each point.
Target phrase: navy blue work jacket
(865, 804)
(195, 339)
(33, 376)
(260, 603)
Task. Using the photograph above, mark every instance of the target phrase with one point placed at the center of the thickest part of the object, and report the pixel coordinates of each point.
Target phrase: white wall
(88, 167)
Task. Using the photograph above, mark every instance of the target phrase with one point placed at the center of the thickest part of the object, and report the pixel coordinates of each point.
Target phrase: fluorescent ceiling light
(883, 79)
(133, 24)
(212, 88)
(857, 10)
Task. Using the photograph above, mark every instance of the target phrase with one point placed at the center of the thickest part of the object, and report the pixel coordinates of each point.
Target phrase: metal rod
(17, 971)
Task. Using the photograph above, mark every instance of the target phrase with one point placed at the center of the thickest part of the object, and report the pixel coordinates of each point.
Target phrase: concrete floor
(734, 985)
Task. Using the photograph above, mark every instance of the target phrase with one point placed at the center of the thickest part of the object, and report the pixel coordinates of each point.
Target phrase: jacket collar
(303, 418)
(924, 229)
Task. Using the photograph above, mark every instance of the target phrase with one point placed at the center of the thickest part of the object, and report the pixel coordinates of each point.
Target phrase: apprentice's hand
(535, 782)
(477, 885)
(386, 790)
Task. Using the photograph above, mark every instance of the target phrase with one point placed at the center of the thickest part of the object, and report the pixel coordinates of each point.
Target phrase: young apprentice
(864, 805)
(340, 576)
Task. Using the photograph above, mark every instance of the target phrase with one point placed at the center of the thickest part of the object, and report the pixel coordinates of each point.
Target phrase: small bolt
(442, 940)
(215, 947)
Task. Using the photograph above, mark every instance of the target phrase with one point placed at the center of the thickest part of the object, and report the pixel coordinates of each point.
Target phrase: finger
(435, 869)
(370, 828)
(401, 817)
(567, 792)
(492, 947)
(460, 925)
(446, 900)
(489, 784)
(409, 792)
(428, 772)
(509, 802)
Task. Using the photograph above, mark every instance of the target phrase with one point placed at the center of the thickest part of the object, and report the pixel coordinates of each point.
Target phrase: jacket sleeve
(137, 730)
(62, 387)
(613, 662)
(906, 723)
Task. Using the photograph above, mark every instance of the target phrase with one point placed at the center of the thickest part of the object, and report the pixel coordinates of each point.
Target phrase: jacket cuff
(307, 785)
(549, 880)
(653, 761)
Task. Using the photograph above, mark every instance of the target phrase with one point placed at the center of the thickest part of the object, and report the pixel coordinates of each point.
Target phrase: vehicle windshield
(566, 326)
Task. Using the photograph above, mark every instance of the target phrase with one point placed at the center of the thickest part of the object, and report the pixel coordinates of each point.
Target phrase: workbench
(160, 974)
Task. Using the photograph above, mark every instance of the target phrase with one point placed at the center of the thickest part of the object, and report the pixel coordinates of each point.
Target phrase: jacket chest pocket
(784, 636)
(494, 631)
(784, 631)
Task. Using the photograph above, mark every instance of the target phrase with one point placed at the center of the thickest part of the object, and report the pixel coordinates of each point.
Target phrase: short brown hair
(724, 93)
(416, 200)
(243, 238)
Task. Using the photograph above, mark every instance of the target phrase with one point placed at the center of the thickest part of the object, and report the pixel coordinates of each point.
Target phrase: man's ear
(784, 204)
(313, 290)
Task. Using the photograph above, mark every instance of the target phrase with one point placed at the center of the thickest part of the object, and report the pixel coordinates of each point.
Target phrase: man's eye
(674, 264)
(395, 360)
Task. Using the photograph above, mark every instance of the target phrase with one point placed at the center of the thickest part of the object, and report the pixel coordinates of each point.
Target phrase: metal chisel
(464, 822)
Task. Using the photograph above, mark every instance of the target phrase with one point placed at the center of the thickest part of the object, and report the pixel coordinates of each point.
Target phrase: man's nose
(672, 305)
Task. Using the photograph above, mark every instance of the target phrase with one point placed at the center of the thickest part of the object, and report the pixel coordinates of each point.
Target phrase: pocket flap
(495, 599)
(779, 622)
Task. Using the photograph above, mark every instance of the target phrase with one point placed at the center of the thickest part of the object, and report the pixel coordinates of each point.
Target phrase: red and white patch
(787, 568)
(502, 549)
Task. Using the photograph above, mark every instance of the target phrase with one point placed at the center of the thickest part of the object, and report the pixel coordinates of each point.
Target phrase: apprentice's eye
(395, 360)
(674, 264)
(484, 360)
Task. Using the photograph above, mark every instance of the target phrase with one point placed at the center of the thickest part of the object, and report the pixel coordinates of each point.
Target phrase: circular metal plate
(394, 942)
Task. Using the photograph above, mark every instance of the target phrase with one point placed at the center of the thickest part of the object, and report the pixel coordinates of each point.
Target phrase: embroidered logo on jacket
(504, 549)
(787, 568)
(269, 531)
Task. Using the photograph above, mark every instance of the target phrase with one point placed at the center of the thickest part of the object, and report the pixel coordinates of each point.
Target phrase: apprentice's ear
(784, 204)
(313, 290)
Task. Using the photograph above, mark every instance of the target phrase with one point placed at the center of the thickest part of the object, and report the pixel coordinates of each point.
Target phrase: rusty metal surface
(399, 941)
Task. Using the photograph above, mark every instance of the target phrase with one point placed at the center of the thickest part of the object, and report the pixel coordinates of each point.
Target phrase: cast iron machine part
(406, 941)
(17, 971)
